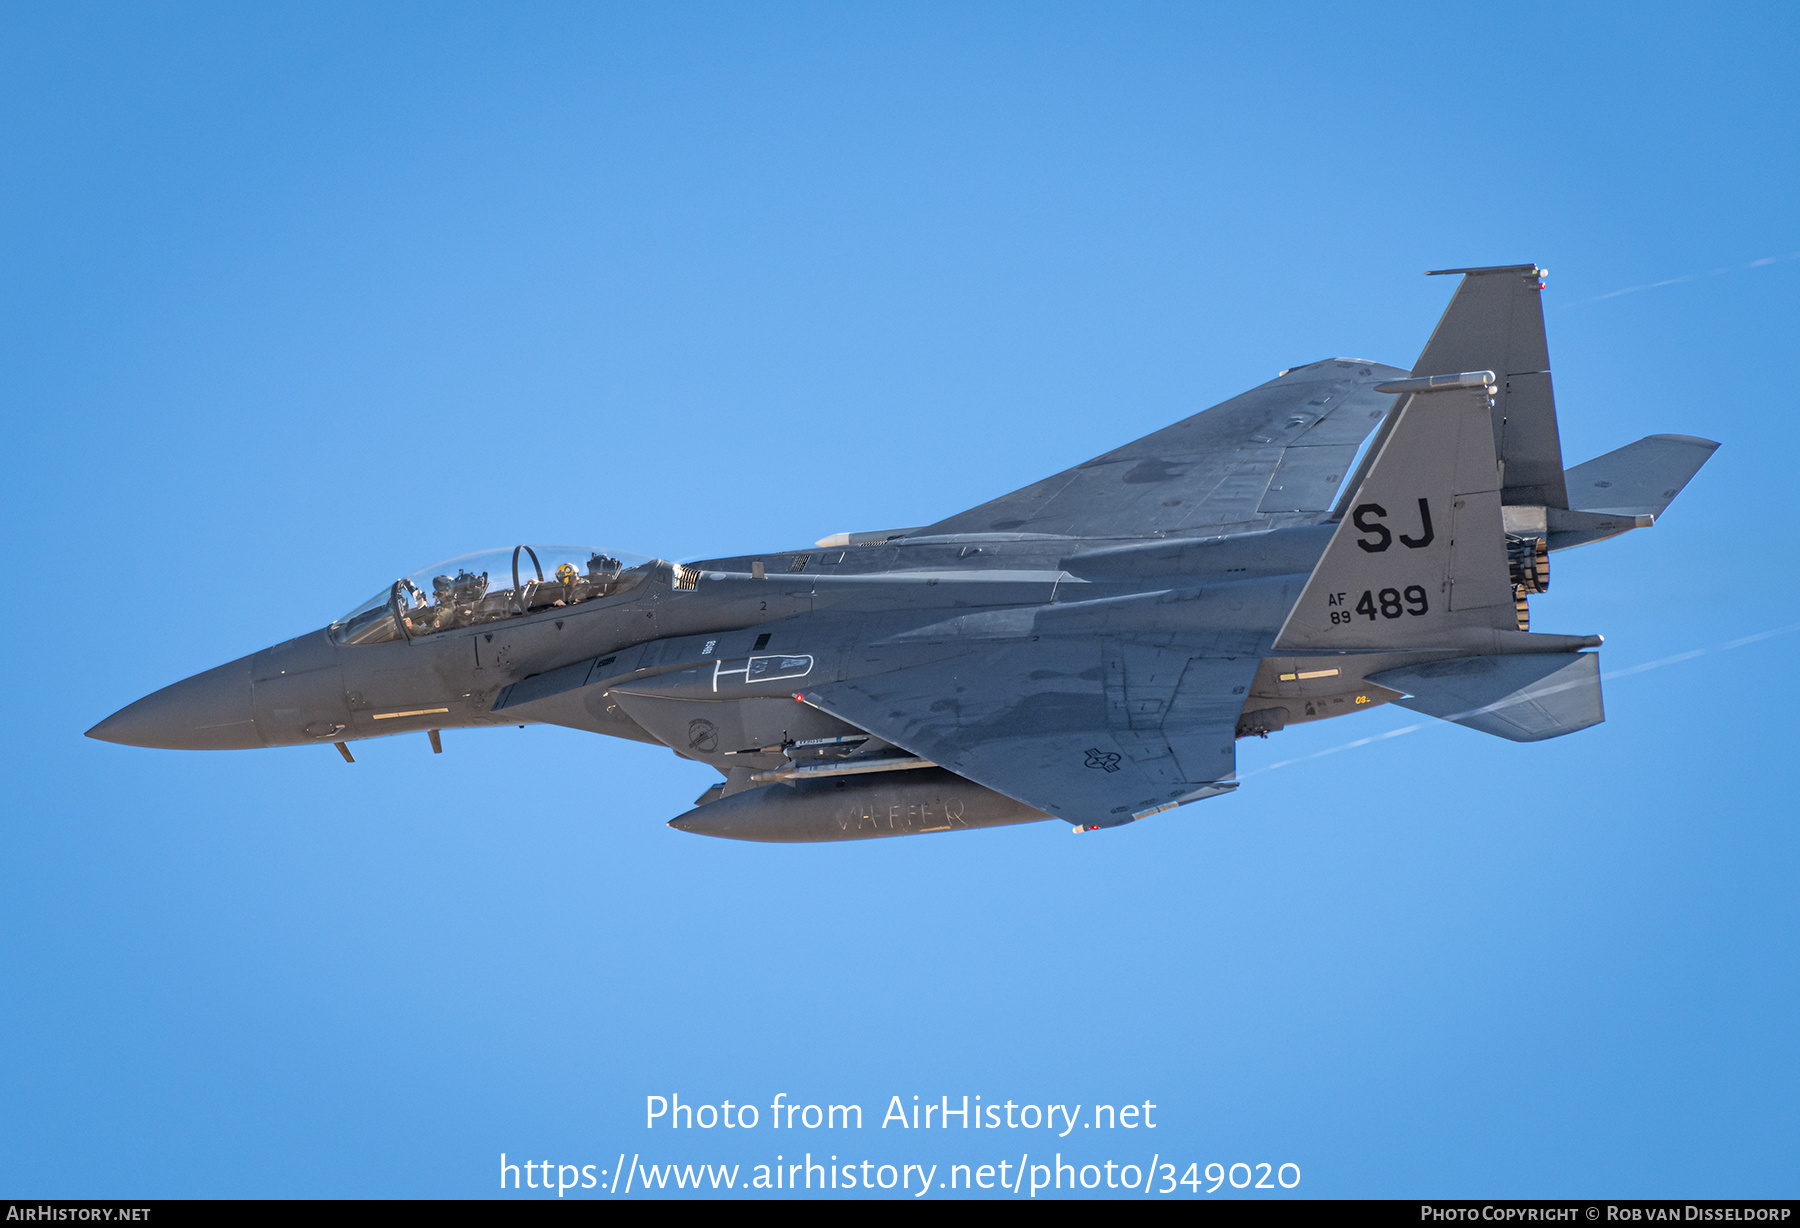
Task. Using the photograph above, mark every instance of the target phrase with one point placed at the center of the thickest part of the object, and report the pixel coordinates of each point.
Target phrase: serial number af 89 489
(1387, 603)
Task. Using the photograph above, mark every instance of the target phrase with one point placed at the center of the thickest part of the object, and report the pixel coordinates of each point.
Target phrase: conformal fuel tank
(856, 808)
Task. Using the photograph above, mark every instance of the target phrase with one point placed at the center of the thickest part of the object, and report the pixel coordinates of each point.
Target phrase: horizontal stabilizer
(1523, 698)
(1639, 479)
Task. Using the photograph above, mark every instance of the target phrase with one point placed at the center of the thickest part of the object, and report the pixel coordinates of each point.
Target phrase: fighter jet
(1089, 648)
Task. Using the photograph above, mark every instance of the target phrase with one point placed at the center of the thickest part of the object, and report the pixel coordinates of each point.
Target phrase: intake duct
(1528, 563)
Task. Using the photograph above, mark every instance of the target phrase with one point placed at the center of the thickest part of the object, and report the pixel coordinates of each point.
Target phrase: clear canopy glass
(489, 586)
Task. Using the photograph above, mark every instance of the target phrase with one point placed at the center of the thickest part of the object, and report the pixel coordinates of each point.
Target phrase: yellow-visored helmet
(567, 573)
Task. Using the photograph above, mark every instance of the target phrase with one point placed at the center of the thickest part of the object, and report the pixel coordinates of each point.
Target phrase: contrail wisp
(1676, 281)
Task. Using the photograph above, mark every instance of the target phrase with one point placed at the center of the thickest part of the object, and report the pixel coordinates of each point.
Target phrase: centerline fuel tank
(856, 808)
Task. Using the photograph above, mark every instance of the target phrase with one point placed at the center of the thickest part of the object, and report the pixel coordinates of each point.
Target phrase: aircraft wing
(1097, 731)
(1279, 450)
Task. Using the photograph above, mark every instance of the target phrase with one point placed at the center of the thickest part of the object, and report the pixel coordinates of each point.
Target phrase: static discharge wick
(1629, 670)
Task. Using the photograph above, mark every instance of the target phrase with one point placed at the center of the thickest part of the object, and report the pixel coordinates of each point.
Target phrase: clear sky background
(298, 298)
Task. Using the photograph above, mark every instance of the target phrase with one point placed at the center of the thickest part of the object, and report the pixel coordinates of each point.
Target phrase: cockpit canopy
(487, 587)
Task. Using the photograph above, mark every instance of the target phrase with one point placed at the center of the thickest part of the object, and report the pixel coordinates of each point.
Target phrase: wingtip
(1711, 445)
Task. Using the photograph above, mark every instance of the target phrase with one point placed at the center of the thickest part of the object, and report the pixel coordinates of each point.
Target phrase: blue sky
(300, 298)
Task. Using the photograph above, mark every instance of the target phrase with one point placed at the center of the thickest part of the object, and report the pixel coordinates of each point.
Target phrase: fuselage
(321, 688)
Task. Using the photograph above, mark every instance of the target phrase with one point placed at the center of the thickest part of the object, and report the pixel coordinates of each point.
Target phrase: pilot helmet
(567, 574)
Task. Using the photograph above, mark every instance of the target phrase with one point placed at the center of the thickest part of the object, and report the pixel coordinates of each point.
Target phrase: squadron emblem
(703, 736)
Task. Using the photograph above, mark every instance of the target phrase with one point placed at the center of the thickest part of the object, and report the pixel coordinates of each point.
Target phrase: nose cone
(210, 711)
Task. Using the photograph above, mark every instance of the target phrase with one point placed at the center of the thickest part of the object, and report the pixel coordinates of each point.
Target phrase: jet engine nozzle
(1528, 563)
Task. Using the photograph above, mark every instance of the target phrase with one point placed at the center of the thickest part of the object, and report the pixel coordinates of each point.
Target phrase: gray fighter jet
(1089, 648)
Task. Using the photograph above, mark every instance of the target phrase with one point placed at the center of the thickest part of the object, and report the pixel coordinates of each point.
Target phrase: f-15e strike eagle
(1089, 648)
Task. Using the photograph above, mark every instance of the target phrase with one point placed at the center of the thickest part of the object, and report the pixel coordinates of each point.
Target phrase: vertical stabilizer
(1420, 554)
(1495, 322)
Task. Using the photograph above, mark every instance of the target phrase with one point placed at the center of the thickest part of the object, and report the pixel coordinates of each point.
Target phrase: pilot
(569, 578)
(443, 607)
